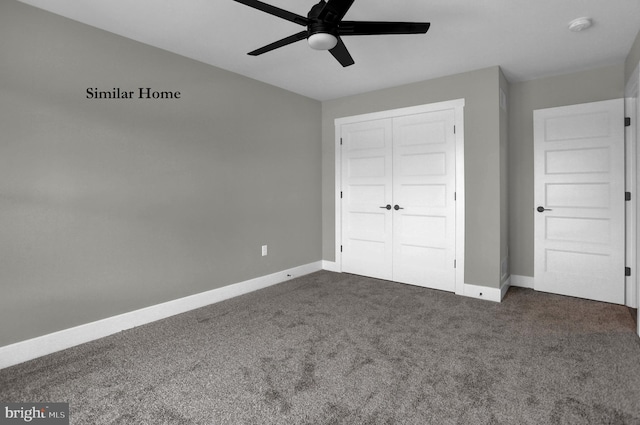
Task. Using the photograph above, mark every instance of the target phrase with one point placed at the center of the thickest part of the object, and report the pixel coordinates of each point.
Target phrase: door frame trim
(631, 282)
(458, 106)
(632, 109)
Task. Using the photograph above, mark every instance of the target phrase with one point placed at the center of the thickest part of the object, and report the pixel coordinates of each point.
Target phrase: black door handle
(388, 207)
(397, 207)
(542, 209)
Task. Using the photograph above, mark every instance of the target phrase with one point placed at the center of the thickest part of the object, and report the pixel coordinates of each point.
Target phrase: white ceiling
(527, 38)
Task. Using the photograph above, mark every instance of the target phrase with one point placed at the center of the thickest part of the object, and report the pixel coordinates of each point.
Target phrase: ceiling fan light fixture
(322, 41)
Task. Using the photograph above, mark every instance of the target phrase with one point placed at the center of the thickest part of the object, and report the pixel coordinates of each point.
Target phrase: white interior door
(579, 200)
(366, 192)
(423, 192)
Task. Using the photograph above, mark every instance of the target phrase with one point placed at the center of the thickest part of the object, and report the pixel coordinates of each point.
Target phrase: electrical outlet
(264, 250)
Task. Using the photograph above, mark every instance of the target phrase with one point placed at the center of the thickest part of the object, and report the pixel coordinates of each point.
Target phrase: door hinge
(627, 271)
(454, 129)
(340, 194)
(455, 196)
(340, 248)
(627, 121)
(341, 141)
(454, 264)
(627, 196)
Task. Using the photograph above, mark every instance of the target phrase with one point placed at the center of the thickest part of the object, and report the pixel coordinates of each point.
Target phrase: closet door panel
(423, 190)
(366, 191)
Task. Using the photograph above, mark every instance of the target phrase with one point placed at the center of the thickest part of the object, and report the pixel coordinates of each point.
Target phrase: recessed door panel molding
(569, 263)
(434, 260)
(423, 230)
(578, 161)
(367, 225)
(578, 127)
(579, 201)
(401, 210)
(424, 195)
(366, 138)
(595, 195)
(579, 230)
(363, 194)
(374, 166)
(422, 164)
(425, 132)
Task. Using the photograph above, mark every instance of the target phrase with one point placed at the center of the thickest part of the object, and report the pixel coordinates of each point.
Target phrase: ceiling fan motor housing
(320, 26)
(321, 35)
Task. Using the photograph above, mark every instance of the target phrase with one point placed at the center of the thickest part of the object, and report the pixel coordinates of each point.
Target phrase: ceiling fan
(325, 27)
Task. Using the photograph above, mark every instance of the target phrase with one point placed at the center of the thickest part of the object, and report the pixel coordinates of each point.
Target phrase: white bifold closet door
(398, 200)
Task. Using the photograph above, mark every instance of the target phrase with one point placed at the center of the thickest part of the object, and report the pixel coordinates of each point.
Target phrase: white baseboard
(485, 292)
(522, 281)
(468, 290)
(40, 346)
(331, 266)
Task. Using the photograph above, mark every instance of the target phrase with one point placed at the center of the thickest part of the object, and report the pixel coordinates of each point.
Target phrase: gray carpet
(340, 349)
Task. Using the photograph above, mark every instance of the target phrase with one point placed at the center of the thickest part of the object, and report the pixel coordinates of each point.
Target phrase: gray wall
(633, 58)
(482, 159)
(107, 206)
(525, 97)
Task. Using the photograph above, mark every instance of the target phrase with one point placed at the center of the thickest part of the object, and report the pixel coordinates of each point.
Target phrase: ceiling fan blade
(335, 10)
(276, 11)
(341, 53)
(280, 43)
(373, 28)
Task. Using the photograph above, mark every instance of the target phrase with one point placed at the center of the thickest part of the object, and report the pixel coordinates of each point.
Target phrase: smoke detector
(580, 24)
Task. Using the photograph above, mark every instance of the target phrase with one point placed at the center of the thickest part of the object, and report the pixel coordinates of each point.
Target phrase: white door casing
(632, 136)
(631, 298)
(437, 196)
(579, 197)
